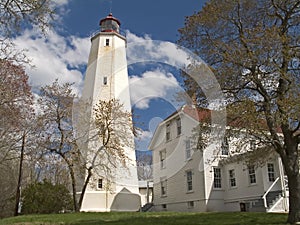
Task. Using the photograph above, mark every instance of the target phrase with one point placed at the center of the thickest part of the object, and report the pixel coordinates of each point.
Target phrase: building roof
(205, 116)
(198, 114)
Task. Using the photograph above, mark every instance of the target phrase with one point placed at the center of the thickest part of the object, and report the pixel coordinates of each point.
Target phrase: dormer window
(225, 146)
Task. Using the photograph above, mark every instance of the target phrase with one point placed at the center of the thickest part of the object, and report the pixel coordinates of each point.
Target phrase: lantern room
(110, 24)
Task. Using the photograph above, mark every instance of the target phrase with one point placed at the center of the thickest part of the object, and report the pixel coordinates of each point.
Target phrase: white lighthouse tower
(107, 78)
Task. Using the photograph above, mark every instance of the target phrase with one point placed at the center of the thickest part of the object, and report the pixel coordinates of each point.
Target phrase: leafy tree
(44, 197)
(253, 48)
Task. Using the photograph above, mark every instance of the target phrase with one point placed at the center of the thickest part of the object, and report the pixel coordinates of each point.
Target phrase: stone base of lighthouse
(118, 193)
(107, 201)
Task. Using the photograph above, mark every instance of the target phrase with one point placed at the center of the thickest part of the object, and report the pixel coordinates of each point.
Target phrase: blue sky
(159, 19)
(63, 52)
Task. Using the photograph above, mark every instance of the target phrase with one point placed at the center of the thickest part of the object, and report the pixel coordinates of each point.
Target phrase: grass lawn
(155, 218)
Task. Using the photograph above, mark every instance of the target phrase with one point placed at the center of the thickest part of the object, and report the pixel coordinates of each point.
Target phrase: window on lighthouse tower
(107, 42)
(104, 80)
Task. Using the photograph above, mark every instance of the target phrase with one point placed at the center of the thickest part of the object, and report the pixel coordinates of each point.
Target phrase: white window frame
(168, 131)
(188, 149)
(252, 174)
(225, 147)
(178, 125)
(189, 180)
(190, 204)
(217, 181)
(163, 187)
(162, 158)
(271, 172)
(232, 179)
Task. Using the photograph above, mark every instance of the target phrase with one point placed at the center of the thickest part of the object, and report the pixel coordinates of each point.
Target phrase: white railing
(264, 197)
(286, 183)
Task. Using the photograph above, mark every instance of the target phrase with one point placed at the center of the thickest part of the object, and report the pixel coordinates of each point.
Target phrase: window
(107, 42)
(168, 133)
(271, 172)
(100, 183)
(163, 187)
(178, 123)
(225, 146)
(190, 204)
(252, 177)
(217, 178)
(232, 180)
(252, 145)
(188, 151)
(104, 80)
(189, 180)
(162, 156)
(164, 206)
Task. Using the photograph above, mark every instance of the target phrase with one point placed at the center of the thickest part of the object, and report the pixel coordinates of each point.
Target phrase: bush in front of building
(45, 197)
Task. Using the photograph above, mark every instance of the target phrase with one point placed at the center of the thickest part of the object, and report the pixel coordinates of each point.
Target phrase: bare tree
(144, 166)
(17, 13)
(110, 132)
(15, 111)
(56, 102)
(253, 48)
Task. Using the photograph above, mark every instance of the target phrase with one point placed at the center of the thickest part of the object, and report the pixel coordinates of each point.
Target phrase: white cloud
(144, 49)
(144, 135)
(143, 139)
(157, 83)
(53, 57)
(56, 56)
(150, 85)
(60, 2)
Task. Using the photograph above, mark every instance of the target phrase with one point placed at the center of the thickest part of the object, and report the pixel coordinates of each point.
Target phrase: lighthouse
(107, 78)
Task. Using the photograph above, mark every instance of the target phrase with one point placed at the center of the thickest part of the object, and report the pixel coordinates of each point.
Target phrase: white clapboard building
(188, 179)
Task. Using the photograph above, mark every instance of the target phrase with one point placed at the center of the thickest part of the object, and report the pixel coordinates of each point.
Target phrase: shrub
(44, 197)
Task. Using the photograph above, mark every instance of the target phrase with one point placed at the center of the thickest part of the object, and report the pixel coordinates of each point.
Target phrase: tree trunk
(290, 160)
(86, 182)
(18, 192)
(73, 188)
(294, 198)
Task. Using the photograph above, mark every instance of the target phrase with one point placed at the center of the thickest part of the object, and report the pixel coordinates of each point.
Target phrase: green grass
(162, 218)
